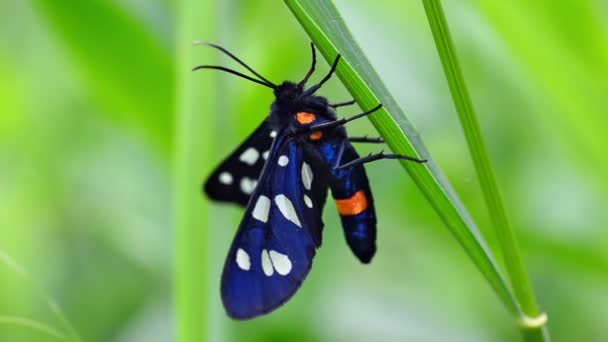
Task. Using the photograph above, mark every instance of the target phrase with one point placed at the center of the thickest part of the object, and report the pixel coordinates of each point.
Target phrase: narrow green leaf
(69, 333)
(468, 119)
(126, 67)
(33, 325)
(326, 28)
(196, 110)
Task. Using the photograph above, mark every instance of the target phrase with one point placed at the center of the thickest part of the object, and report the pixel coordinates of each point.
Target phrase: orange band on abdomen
(356, 204)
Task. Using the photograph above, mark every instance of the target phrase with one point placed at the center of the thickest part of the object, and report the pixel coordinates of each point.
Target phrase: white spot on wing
(260, 211)
(306, 176)
(225, 178)
(242, 259)
(283, 161)
(265, 155)
(248, 185)
(250, 156)
(280, 262)
(286, 208)
(307, 201)
(273, 134)
(266, 263)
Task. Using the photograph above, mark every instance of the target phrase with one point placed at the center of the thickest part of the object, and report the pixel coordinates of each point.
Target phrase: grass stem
(193, 132)
(468, 119)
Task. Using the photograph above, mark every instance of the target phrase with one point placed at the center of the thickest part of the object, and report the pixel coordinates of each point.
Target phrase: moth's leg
(342, 104)
(343, 121)
(317, 86)
(339, 154)
(379, 156)
(312, 67)
(366, 139)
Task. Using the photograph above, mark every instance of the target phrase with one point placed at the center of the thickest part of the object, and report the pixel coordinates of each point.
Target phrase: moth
(281, 173)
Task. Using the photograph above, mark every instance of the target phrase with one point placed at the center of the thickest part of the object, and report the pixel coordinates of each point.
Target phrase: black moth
(281, 173)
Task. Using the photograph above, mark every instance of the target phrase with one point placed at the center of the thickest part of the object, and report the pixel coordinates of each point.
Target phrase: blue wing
(276, 241)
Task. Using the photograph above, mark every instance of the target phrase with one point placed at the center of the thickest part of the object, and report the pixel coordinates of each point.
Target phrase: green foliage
(106, 136)
(127, 68)
(67, 332)
(32, 325)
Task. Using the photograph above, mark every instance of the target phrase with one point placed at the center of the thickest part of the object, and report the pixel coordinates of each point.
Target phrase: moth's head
(291, 97)
(293, 107)
(287, 92)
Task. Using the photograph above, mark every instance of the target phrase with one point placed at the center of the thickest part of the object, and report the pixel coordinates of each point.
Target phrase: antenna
(229, 54)
(230, 71)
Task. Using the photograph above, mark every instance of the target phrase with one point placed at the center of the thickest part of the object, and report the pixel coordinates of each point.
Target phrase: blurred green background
(87, 132)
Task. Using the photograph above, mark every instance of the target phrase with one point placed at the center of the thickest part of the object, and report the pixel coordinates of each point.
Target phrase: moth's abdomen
(359, 225)
(355, 204)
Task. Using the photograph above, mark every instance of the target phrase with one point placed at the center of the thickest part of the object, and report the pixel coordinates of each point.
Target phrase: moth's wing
(236, 177)
(355, 203)
(275, 243)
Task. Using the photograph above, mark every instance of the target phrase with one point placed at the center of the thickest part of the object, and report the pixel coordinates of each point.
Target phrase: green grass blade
(33, 325)
(468, 119)
(326, 28)
(69, 333)
(195, 111)
(127, 68)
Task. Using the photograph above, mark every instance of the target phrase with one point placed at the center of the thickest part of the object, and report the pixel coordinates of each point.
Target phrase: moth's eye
(305, 117)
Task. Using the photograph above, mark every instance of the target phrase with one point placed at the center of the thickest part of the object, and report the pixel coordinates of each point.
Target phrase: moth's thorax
(290, 110)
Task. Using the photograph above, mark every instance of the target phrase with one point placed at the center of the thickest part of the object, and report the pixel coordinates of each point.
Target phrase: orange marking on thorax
(305, 117)
(316, 135)
(356, 204)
